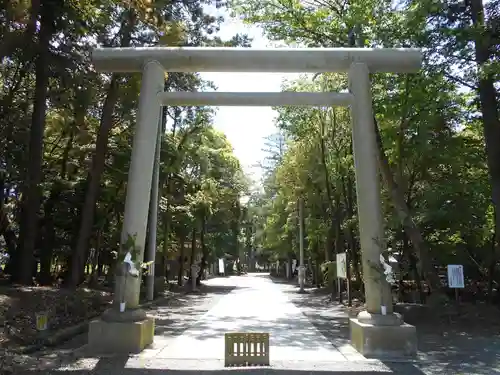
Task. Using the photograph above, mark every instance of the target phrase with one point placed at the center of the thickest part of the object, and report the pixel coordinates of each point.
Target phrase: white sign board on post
(456, 276)
(342, 265)
(221, 266)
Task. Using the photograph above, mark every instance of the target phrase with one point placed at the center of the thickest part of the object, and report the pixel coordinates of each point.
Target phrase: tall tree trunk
(491, 268)
(398, 199)
(6, 229)
(49, 236)
(193, 250)
(484, 45)
(331, 232)
(162, 259)
(9, 236)
(182, 252)
(93, 182)
(204, 252)
(49, 230)
(31, 192)
(354, 254)
(78, 258)
(94, 276)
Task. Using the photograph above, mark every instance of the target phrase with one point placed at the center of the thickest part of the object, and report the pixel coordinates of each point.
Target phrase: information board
(221, 266)
(456, 276)
(342, 265)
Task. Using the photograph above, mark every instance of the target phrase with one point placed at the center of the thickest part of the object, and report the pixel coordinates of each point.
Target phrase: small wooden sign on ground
(246, 349)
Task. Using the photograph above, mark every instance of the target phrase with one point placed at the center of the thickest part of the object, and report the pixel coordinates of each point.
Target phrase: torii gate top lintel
(238, 59)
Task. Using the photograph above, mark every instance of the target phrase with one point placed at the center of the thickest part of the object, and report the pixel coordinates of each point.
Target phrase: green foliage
(431, 125)
(87, 129)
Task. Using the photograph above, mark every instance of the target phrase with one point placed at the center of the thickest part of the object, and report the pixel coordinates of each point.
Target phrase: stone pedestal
(383, 336)
(120, 338)
(130, 334)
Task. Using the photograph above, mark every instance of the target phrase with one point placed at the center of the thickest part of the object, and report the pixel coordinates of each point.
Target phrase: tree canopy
(66, 133)
(440, 182)
(66, 139)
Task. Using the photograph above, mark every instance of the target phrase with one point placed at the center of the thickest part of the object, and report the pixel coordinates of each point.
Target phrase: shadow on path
(172, 317)
(121, 366)
(284, 332)
(446, 353)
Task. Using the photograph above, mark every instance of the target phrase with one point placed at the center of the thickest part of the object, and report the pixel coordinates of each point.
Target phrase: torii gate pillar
(125, 328)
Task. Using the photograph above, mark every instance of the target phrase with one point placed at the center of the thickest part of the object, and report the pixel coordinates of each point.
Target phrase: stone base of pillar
(120, 337)
(383, 341)
(125, 335)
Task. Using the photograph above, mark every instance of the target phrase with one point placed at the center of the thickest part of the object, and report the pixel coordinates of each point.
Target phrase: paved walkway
(255, 305)
(190, 337)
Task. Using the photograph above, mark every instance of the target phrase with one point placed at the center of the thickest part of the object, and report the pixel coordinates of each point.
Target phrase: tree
(403, 104)
(66, 131)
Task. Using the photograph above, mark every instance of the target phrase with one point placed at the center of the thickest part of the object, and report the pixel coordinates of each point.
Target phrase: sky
(246, 127)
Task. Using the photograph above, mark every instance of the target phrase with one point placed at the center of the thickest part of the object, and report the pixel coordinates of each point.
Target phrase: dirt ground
(19, 306)
(465, 318)
(173, 315)
(452, 338)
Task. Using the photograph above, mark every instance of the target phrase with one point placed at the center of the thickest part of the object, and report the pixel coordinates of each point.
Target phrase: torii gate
(377, 330)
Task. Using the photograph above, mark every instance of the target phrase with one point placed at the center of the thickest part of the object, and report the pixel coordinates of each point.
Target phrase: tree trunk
(98, 164)
(422, 251)
(204, 253)
(330, 240)
(94, 277)
(49, 237)
(193, 250)
(93, 182)
(9, 237)
(31, 192)
(484, 45)
(491, 269)
(180, 274)
(354, 254)
(161, 261)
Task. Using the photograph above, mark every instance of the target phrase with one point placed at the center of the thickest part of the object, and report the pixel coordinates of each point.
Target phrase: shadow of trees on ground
(443, 350)
(172, 316)
(125, 366)
(439, 355)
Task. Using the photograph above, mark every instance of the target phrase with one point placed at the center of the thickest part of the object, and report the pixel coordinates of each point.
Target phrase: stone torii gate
(375, 331)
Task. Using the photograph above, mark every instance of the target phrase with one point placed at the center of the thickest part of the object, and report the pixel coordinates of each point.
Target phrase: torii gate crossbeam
(375, 331)
(256, 99)
(277, 60)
